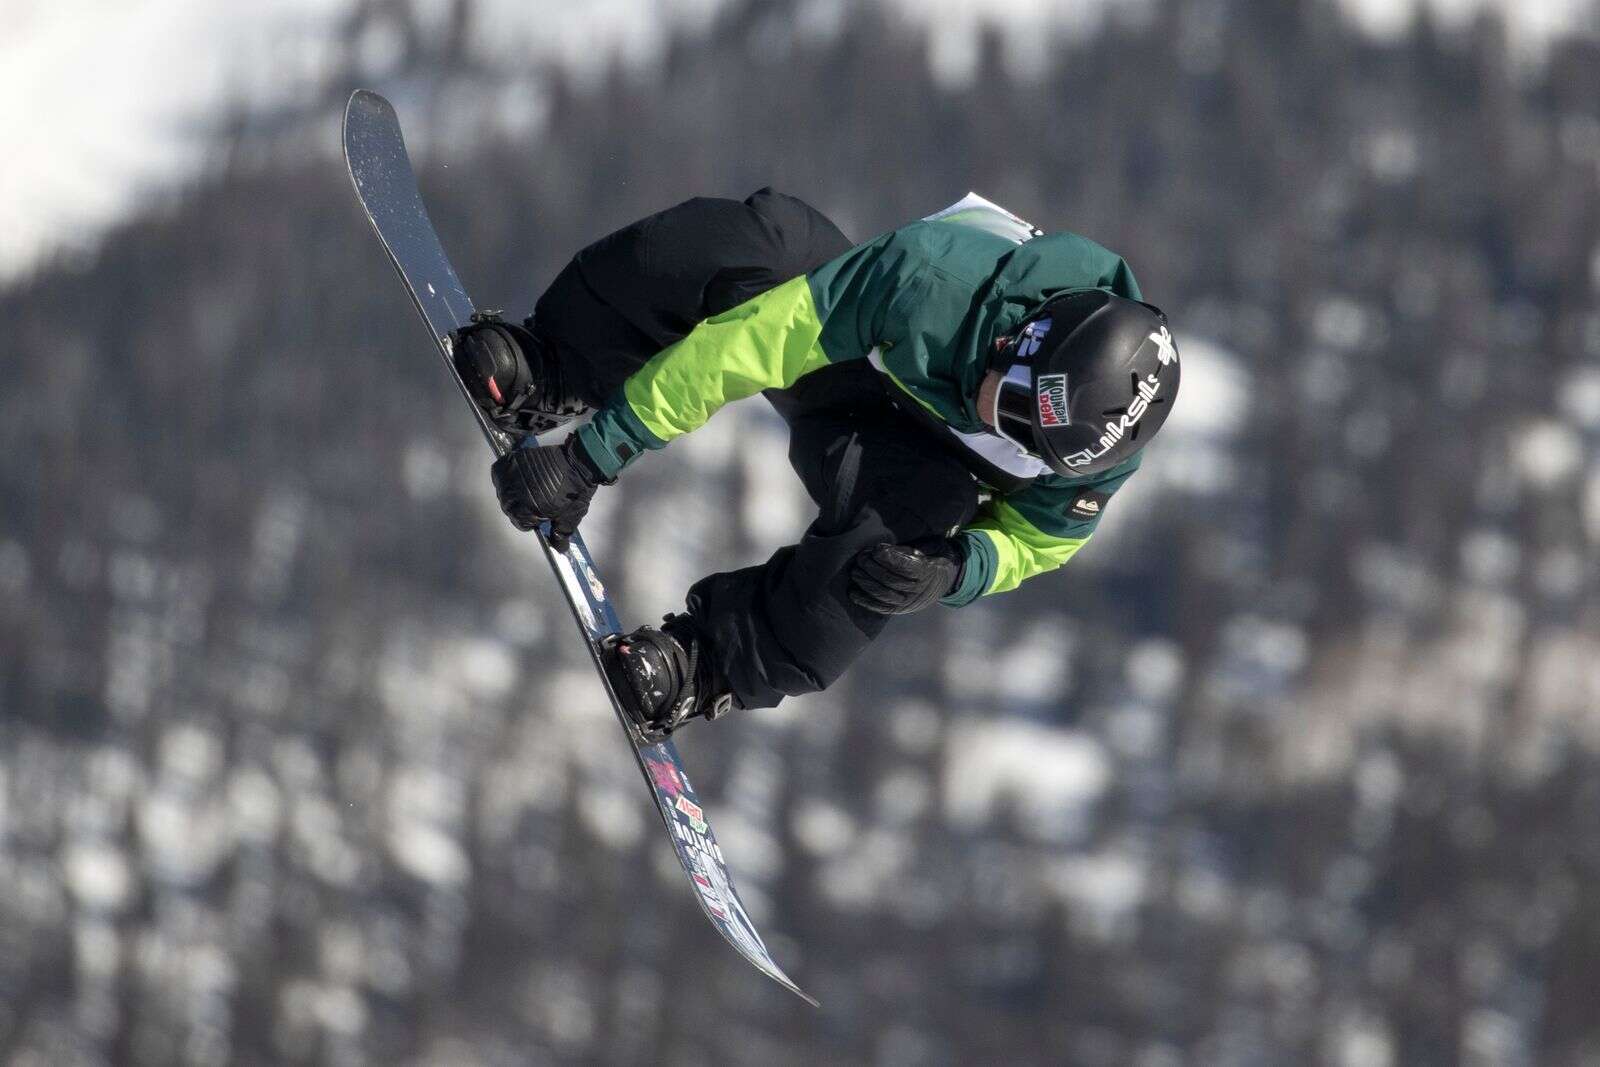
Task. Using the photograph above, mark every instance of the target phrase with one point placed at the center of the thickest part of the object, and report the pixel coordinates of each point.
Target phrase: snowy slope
(99, 102)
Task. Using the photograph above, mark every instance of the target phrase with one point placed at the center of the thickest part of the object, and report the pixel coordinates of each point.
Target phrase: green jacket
(926, 302)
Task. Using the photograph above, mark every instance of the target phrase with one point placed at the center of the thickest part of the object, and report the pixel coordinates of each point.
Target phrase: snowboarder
(964, 395)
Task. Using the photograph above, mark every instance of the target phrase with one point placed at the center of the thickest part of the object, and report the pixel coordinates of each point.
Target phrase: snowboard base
(385, 183)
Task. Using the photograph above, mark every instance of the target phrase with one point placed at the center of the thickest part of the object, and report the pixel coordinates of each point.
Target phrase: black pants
(634, 292)
(787, 626)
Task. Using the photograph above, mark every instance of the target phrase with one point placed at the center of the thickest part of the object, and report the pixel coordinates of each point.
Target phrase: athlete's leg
(636, 291)
(632, 293)
(788, 626)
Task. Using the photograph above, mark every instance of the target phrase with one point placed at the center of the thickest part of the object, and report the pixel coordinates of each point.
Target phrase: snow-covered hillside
(101, 102)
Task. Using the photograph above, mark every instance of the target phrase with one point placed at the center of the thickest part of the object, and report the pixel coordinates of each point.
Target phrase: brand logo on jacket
(1052, 393)
(1086, 506)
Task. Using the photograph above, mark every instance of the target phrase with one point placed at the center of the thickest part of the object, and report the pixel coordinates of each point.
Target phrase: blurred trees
(301, 763)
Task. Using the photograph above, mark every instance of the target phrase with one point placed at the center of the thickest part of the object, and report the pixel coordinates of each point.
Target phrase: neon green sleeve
(835, 313)
(767, 342)
(1033, 530)
(1003, 549)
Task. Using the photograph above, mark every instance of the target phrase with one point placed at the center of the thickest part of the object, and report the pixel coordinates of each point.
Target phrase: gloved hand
(540, 482)
(899, 579)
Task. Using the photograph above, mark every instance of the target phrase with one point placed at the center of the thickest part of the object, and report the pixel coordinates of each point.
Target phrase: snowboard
(386, 185)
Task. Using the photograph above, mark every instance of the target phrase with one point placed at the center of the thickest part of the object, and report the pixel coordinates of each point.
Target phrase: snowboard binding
(661, 678)
(514, 375)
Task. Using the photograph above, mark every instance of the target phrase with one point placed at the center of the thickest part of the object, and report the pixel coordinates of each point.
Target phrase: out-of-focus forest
(1298, 762)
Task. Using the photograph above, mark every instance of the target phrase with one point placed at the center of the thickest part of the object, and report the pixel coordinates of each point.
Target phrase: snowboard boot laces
(665, 679)
(514, 375)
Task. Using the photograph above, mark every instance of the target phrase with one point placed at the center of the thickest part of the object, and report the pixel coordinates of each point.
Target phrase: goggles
(1012, 417)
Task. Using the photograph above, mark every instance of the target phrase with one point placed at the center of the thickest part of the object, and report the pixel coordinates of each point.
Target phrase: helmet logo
(1166, 350)
(1052, 392)
(1116, 429)
(1033, 336)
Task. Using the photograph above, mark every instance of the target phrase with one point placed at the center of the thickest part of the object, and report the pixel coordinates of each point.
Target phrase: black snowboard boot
(514, 376)
(663, 680)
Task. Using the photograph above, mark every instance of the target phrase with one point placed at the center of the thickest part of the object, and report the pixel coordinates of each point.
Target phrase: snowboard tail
(385, 183)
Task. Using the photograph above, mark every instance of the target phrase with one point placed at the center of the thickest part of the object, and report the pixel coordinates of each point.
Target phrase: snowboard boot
(662, 678)
(514, 376)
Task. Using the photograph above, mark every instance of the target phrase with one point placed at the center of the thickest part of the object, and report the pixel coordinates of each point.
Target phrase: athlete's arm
(1031, 531)
(835, 313)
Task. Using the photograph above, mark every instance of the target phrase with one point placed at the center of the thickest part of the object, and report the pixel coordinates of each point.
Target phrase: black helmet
(1086, 381)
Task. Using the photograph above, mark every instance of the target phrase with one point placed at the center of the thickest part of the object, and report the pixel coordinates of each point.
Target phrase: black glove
(553, 482)
(900, 579)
